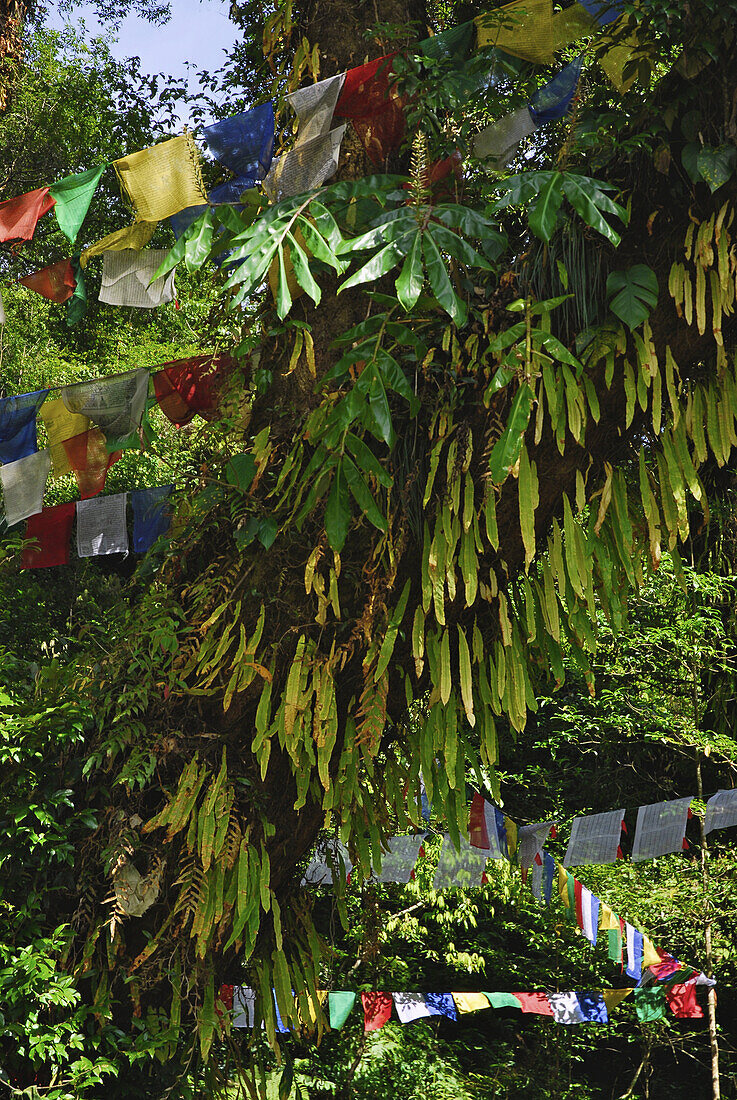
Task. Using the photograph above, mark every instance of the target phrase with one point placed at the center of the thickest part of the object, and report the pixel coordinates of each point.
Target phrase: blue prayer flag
(18, 425)
(245, 142)
(549, 875)
(593, 1008)
(151, 516)
(231, 190)
(181, 222)
(634, 952)
(603, 11)
(441, 1004)
(553, 100)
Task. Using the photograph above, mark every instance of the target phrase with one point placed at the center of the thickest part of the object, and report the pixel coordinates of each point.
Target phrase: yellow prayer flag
(312, 1008)
(511, 828)
(134, 236)
(650, 956)
(572, 24)
(562, 883)
(607, 918)
(523, 28)
(612, 997)
(470, 1002)
(163, 179)
(61, 424)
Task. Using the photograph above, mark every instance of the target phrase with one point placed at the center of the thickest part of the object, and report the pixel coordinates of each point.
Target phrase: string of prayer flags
(51, 530)
(340, 1006)
(660, 829)
(188, 386)
(19, 216)
(374, 108)
(398, 863)
(552, 101)
(89, 460)
(463, 868)
(314, 106)
(18, 425)
(244, 143)
(587, 912)
(377, 1009)
(594, 839)
(721, 809)
(101, 526)
(114, 403)
(73, 196)
(634, 952)
(523, 28)
(304, 167)
(151, 515)
(134, 236)
(56, 282)
(60, 425)
(23, 484)
(163, 179)
(127, 279)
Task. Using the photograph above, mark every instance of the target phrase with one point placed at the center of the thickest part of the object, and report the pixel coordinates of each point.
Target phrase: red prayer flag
(579, 906)
(56, 282)
(52, 528)
(188, 386)
(226, 995)
(90, 461)
(377, 1008)
(19, 216)
(374, 108)
(478, 834)
(682, 1001)
(667, 967)
(534, 1002)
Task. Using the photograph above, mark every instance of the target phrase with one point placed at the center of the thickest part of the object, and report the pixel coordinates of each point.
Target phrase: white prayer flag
(23, 483)
(530, 841)
(330, 862)
(566, 1008)
(244, 1006)
(126, 276)
(411, 1006)
(499, 141)
(463, 868)
(114, 404)
(594, 839)
(399, 862)
(2, 309)
(305, 166)
(721, 811)
(660, 828)
(314, 106)
(101, 526)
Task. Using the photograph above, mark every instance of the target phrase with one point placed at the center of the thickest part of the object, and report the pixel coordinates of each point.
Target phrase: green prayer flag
(73, 196)
(614, 936)
(650, 1003)
(77, 304)
(454, 43)
(340, 1005)
(132, 441)
(503, 1000)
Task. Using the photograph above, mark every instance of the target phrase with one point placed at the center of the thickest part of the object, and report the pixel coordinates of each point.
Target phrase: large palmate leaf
(634, 294)
(543, 192)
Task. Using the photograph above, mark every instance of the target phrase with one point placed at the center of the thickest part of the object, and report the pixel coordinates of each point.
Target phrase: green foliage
(633, 293)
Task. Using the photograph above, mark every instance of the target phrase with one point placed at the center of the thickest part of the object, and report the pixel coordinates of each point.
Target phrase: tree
(431, 502)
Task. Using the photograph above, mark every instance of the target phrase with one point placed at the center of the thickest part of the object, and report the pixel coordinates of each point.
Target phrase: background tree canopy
(466, 516)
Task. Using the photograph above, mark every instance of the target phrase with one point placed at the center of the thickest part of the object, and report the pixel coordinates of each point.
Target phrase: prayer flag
(225, 995)
(535, 1002)
(594, 839)
(2, 310)
(531, 840)
(411, 1006)
(188, 386)
(89, 460)
(486, 828)
(77, 304)
(339, 1007)
(470, 1002)
(441, 1004)
(398, 863)
(18, 425)
(603, 11)
(682, 1001)
(593, 1008)
(660, 829)
(552, 101)
(73, 196)
(127, 275)
(134, 236)
(543, 877)
(567, 891)
(244, 143)
(425, 807)
(376, 111)
(566, 1009)
(650, 956)
(504, 1000)
(634, 952)
(55, 282)
(721, 809)
(613, 997)
(151, 516)
(499, 141)
(462, 868)
(649, 1003)
(523, 28)
(609, 922)
(101, 526)
(61, 425)
(51, 528)
(572, 24)
(23, 484)
(304, 167)
(314, 106)
(163, 179)
(114, 403)
(19, 216)
(330, 862)
(455, 42)
(667, 967)
(587, 912)
(377, 1008)
(244, 1006)
(181, 222)
(279, 1023)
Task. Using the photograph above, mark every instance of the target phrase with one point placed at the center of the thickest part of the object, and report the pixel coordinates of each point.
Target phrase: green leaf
(394, 377)
(301, 265)
(240, 471)
(378, 406)
(544, 214)
(199, 240)
(384, 260)
(410, 281)
(634, 294)
(337, 511)
(367, 460)
(283, 297)
(267, 530)
(507, 448)
(440, 282)
(582, 193)
(362, 495)
(716, 165)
